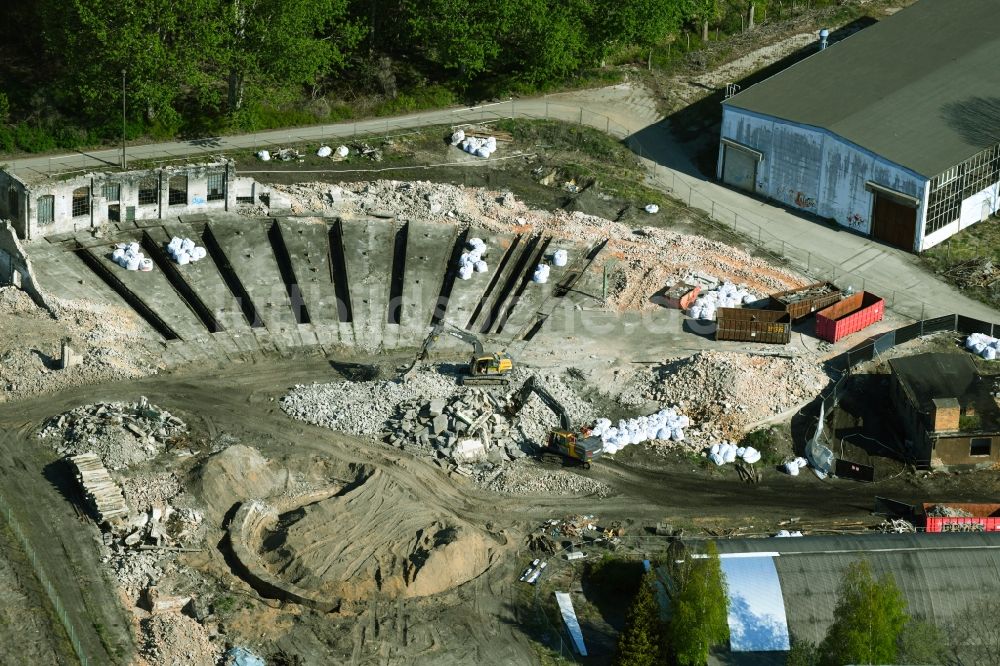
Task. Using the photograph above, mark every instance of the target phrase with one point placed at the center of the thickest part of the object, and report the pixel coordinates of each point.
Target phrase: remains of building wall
(15, 266)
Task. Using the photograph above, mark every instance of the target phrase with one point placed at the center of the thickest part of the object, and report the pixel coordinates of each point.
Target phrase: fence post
(713, 210)
(809, 261)
(782, 248)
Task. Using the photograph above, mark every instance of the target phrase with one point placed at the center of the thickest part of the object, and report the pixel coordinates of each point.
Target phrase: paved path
(624, 111)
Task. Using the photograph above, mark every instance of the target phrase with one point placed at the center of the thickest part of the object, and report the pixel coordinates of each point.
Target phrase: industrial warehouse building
(893, 132)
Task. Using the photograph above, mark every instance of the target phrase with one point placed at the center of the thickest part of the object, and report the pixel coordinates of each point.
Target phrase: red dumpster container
(849, 316)
(984, 518)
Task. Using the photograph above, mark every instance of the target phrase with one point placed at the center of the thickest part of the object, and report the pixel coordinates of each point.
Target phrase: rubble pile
(120, 433)
(467, 428)
(983, 345)
(522, 480)
(362, 408)
(174, 639)
(945, 511)
(162, 526)
(728, 393)
(648, 257)
(142, 491)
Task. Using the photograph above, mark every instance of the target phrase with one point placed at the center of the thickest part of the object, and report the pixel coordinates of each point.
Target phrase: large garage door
(739, 168)
(894, 223)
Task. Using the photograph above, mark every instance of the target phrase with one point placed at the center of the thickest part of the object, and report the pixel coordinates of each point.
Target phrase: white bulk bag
(457, 137)
(652, 209)
(465, 272)
(146, 265)
(324, 151)
(183, 258)
(264, 156)
(117, 255)
(199, 253)
(133, 263)
(481, 266)
(560, 258)
(791, 469)
(343, 151)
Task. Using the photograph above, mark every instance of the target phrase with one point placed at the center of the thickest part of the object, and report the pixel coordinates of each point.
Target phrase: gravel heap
(727, 393)
(525, 480)
(122, 434)
(174, 639)
(362, 408)
(109, 339)
(649, 258)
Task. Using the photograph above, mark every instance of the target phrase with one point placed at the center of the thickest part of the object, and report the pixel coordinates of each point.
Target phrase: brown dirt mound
(371, 539)
(235, 474)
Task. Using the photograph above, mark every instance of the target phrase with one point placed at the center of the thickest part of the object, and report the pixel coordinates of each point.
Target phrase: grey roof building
(894, 131)
(939, 575)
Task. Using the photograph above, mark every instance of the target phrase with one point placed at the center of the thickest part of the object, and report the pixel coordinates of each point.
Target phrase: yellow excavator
(484, 368)
(565, 442)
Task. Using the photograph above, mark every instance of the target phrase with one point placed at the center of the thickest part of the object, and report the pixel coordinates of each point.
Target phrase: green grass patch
(970, 260)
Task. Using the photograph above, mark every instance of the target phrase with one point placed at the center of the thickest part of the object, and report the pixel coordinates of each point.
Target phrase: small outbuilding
(949, 411)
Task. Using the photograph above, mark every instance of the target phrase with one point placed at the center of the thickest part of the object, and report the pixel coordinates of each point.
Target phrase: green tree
(699, 610)
(868, 620)
(640, 640)
(803, 653)
(464, 36)
(273, 47)
(922, 643)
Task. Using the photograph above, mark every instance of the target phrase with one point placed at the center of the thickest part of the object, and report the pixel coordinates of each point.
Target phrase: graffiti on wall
(857, 222)
(802, 200)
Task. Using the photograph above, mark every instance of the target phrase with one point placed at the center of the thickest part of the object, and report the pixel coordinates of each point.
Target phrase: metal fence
(43, 578)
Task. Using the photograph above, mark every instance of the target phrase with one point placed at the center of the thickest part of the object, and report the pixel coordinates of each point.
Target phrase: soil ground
(472, 622)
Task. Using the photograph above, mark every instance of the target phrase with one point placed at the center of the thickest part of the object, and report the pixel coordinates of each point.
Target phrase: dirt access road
(479, 621)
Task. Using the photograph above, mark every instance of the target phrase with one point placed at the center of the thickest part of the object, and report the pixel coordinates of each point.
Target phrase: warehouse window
(81, 201)
(148, 187)
(980, 446)
(112, 191)
(46, 209)
(216, 186)
(944, 205)
(178, 191)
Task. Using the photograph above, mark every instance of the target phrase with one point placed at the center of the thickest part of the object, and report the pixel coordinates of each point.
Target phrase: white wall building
(893, 132)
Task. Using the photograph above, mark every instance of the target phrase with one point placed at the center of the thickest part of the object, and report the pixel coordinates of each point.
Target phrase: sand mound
(236, 474)
(372, 539)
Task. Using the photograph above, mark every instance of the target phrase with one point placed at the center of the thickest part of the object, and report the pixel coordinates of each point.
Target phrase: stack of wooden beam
(103, 494)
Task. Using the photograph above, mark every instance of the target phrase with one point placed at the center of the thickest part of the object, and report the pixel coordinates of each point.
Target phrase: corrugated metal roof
(921, 87)
(938, 574)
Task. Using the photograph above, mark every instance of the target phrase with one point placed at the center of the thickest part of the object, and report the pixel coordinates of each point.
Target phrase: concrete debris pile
(648, 257)
(362, 408)
(474, 260)
(174, 639)
(162, 526)
(130, 257)
(729, 393)
(726, 295)
(183, 251)
(143, 491)
(983, 345)
(525, 480)
(120, 433)
(665, 425)
(103, 495)
(465, 429)
(136, 570)
(536, 420)
(727, 452)
(945, 511)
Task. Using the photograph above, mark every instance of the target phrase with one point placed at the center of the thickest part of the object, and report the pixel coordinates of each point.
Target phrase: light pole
(123, 120)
